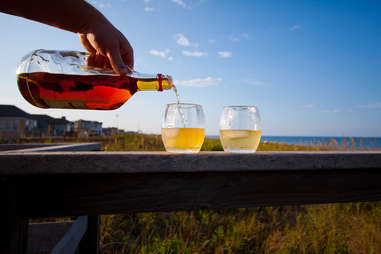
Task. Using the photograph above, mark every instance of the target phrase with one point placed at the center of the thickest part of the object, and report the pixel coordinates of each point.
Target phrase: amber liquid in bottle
(104, 92)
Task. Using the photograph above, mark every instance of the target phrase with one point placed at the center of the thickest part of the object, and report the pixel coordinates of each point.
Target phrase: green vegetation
(133, 141)
(331, 228)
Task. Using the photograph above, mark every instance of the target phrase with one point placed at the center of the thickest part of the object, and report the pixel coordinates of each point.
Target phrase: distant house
(51, 126)
(16, 123)
(110, 131)
(88, 128)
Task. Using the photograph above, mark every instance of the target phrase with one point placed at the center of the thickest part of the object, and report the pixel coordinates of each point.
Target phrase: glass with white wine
(240, 129)
(183, 128)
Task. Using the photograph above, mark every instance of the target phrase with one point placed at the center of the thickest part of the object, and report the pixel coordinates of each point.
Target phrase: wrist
(91, 20)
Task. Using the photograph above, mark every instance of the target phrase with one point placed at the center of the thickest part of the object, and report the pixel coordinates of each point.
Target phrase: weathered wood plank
(161, 162)
(69, 243)
(29, 148)
(10, 147)
(42, 237)
(118, 193)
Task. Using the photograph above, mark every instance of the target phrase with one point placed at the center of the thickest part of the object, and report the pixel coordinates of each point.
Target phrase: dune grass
(332, 228)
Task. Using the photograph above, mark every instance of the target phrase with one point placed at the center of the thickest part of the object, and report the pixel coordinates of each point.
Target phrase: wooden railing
(19, 236)
(54, 184)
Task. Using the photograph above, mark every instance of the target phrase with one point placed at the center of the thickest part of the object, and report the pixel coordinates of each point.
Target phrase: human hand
(107, 47)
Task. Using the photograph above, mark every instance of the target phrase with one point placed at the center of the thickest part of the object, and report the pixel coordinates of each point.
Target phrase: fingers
(105, 52)
(128, 59)
(90, 61)
(102, 62)
(107, 64)
(99, 61)
(86, 44)
(116, 61)
(127, 53)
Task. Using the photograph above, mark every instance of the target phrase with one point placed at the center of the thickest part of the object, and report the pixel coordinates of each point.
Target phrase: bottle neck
(160, 83)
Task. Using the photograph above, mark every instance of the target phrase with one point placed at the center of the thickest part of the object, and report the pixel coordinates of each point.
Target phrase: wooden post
(13, 228)
(89, 242)
(14, 235)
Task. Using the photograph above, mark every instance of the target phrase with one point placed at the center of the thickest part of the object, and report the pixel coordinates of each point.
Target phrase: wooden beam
(118, 193)
(160, 162)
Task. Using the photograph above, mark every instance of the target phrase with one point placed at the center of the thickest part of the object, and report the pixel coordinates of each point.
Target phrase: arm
(106, 45)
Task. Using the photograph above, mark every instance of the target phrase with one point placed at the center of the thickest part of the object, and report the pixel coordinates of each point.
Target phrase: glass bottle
(61, 79)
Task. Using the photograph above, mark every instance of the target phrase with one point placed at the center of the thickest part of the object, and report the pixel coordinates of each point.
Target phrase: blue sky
(312, 67)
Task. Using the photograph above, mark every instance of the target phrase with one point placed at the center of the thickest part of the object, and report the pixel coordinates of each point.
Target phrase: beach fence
(40, 183)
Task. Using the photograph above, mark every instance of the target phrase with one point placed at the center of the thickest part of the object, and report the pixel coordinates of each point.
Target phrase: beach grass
(331, 228)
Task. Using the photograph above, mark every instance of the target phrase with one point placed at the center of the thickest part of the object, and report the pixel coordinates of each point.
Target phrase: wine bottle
(61, 79)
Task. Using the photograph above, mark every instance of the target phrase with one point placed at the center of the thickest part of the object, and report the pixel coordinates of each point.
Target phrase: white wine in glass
(240, 130)
(183, 139)
(183, 128)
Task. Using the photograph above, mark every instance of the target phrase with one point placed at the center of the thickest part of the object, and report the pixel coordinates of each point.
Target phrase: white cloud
(163, 54)
(199, 82)
(147, 1)
(308, 106)
(184, 41)
(372, 105)
(295, 27)
(212, 41)
(194, 53)
(245, 35)
(225, 54)
(180, 2)
(148, 9)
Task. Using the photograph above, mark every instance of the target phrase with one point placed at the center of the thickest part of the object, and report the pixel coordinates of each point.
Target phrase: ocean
(354, 143)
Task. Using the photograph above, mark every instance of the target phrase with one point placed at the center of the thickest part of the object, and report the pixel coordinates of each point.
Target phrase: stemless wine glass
(183, 128)
(240, 129)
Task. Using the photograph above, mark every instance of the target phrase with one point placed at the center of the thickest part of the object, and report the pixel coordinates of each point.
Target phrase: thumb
(116, 62)
(86, 44)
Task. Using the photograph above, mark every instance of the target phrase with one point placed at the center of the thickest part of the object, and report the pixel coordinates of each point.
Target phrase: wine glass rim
(184, 104)
(241, 106)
